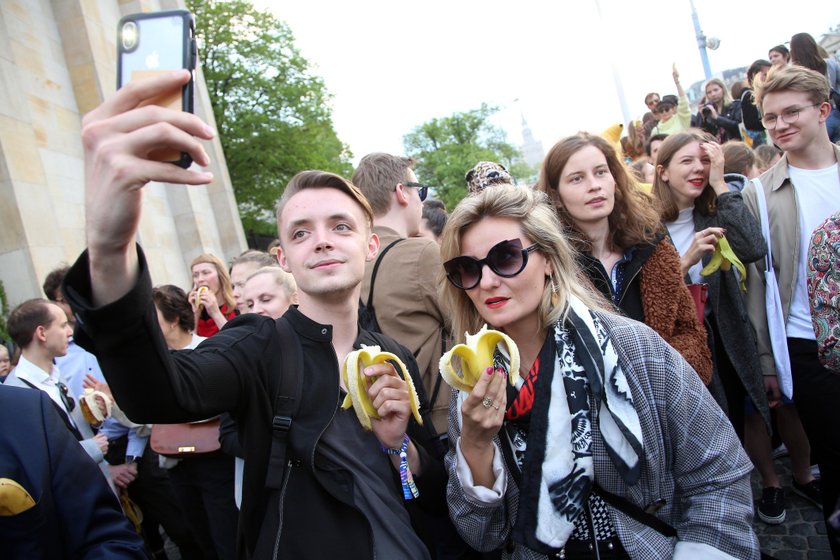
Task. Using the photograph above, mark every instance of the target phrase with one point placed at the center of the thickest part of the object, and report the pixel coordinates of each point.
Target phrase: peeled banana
(724, 257)
(14, 498)
(357, 383)
(476, 356)
(198, 293)
(91, 410)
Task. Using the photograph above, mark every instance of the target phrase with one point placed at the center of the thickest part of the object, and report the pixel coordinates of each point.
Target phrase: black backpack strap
(643, 516)
(286, 402)
(376, 269)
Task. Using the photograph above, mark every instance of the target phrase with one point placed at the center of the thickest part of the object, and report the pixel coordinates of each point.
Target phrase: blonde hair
(793, 78)
(726, 100)
(282, 278)
(225, 284)
(535, 214)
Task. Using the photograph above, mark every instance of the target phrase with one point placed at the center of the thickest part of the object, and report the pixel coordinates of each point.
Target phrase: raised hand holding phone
(150, 44)
(118, 138)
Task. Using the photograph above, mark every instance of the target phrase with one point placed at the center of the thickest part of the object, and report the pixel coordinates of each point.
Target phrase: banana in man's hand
(358, 383)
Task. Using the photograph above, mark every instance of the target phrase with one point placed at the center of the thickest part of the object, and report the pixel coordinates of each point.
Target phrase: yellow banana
(476, 356)
(724, 258)
(357, 383)
(198, 293)
(14, 498)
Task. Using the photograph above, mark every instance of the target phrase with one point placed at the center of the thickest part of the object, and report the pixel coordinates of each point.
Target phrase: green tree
(272, 113)
(448, 147)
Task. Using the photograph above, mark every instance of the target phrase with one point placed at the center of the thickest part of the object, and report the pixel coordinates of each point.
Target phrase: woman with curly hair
(623, 248)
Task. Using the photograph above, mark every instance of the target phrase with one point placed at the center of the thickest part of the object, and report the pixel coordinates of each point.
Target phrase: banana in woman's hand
(198, 292)
(725, 258)
(476, 356)
(358, 383)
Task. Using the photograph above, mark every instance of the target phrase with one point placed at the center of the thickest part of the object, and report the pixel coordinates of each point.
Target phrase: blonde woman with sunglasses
(608, 440)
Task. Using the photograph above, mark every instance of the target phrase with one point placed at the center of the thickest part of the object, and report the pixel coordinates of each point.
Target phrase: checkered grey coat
(692, 460)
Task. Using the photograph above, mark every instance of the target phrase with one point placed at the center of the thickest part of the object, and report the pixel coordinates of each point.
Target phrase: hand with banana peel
(382, 400)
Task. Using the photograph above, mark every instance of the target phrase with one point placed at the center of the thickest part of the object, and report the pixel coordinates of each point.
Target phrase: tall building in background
(532, 149)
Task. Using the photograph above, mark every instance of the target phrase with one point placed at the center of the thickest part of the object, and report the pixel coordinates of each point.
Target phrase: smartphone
(152, 43)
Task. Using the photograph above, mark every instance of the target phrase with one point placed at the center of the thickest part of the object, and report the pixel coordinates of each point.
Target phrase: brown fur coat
(669, 308)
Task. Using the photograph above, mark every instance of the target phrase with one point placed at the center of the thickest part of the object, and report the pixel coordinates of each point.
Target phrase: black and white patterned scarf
(557, 468)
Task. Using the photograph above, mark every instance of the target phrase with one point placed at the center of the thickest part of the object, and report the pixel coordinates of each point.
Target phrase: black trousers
(816, 394)
(204, 486)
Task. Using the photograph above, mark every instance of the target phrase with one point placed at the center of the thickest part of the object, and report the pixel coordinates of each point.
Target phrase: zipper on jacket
(289, 465)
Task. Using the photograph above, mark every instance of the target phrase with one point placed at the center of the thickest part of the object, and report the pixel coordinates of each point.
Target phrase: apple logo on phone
(152, 60)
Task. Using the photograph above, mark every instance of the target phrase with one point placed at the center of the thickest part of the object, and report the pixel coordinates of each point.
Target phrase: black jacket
(237, 371)
(725, 126)
(629, 301)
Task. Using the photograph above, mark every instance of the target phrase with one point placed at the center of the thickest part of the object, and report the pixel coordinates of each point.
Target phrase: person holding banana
(585, 435)
(339, 490)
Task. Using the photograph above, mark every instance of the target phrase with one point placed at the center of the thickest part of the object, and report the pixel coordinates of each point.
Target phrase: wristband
(409, 488)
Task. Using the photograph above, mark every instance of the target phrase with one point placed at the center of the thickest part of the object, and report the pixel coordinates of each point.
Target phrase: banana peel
(91, 411)
(357, 383)
(476, 356)
(14, 499)
(725, 258)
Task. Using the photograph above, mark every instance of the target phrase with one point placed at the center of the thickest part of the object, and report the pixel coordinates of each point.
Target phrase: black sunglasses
(422, 190)
(505, 259)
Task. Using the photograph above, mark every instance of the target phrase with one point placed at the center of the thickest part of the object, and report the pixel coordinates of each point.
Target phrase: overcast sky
(393, 65)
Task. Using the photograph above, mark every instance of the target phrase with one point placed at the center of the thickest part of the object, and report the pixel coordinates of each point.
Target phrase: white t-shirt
(682, 232)
(818, 196)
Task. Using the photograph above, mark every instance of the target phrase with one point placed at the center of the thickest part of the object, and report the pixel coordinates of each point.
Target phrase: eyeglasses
(422, 190)
(69, 402)
(505, 259)
(789, 116)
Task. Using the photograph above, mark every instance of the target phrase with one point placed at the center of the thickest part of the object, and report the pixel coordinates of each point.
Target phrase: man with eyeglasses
(405, 290)
(801, 191)
(42, 332)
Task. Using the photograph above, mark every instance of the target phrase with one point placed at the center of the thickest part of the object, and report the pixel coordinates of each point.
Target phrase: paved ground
(802, 535)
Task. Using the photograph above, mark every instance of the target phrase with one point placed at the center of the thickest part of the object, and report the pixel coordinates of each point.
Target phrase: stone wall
(57, 62)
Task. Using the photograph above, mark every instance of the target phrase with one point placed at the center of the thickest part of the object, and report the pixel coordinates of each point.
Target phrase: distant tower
(532, 149)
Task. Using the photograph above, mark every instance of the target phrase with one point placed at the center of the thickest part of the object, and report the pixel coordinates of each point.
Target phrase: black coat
(237, 371)
(725, 298)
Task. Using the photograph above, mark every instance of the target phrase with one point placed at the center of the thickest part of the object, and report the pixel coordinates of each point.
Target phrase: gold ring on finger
(487, 402)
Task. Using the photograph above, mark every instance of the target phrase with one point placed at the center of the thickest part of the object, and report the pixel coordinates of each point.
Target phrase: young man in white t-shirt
(801, 190)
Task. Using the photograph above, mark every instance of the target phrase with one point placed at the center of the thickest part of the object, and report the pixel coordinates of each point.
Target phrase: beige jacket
(407, 309)
(783, 210)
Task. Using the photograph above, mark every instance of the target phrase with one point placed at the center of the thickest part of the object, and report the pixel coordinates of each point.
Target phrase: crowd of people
(674, 306)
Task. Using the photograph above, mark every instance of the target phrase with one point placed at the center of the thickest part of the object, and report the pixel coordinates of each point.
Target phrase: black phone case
(189, 59)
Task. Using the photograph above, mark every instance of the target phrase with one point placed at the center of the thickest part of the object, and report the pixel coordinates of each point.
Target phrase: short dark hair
(173, 303)
(434, 212)
(652, 139)
(755, 68)
(26, 318)
(781, 49)
(52, 284)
